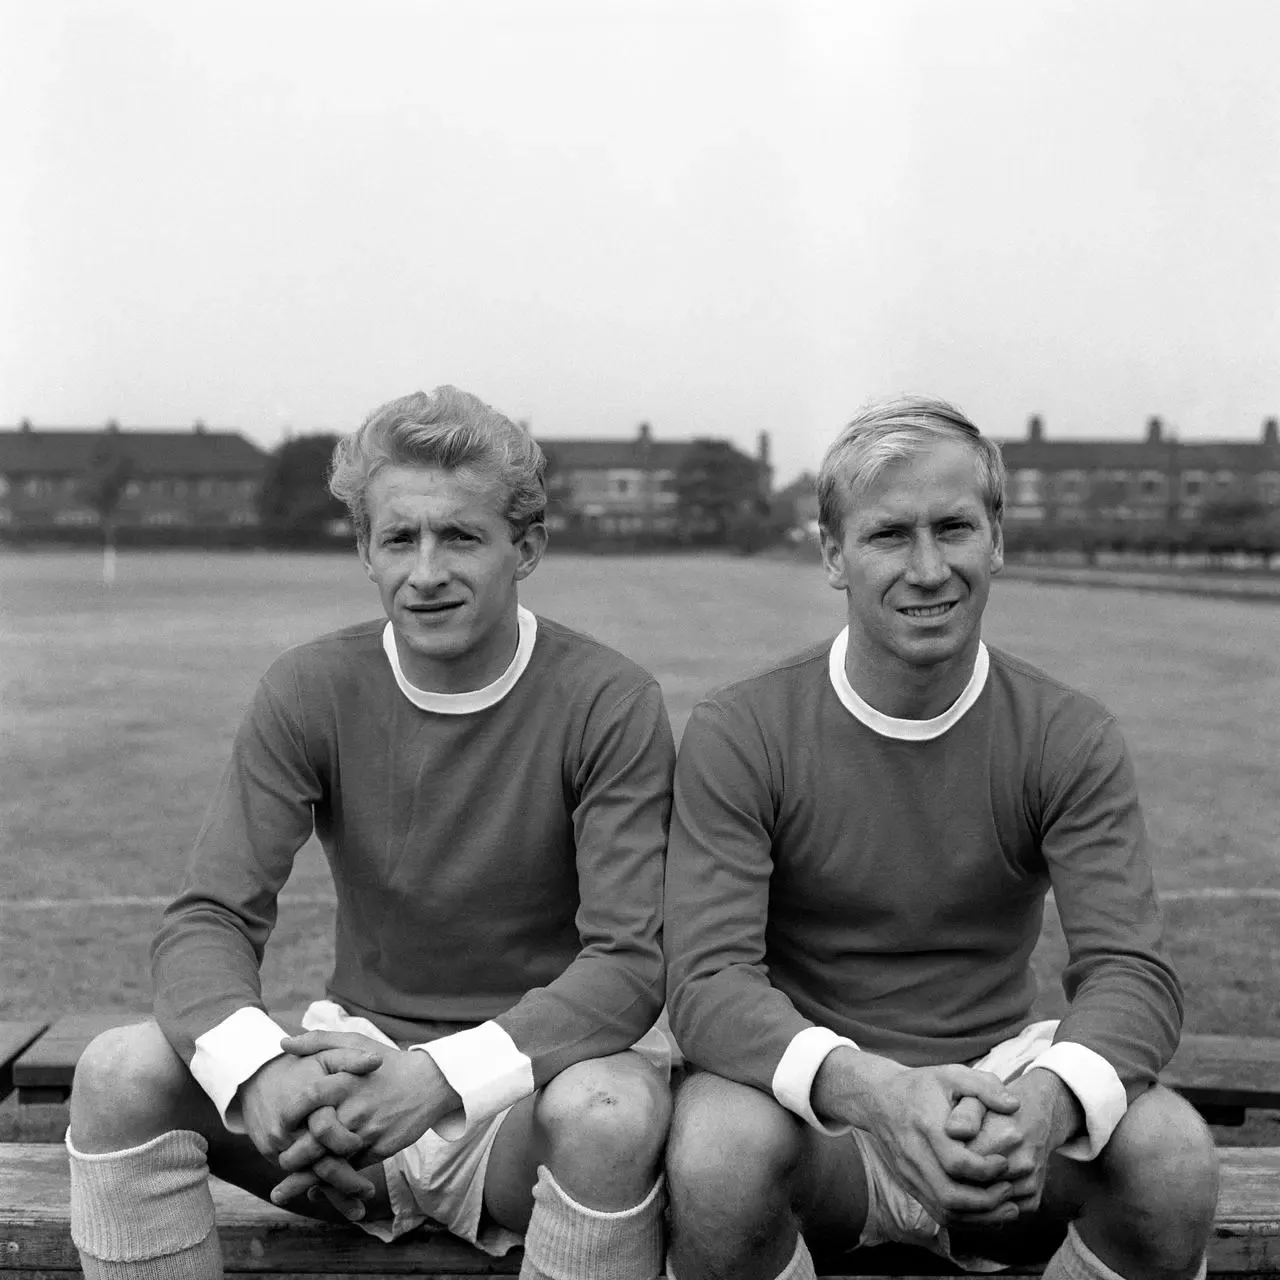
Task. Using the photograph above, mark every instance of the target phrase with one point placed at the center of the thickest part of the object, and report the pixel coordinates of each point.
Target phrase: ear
(997, 547)
(833, 560)
(530, 546)
(362, 550)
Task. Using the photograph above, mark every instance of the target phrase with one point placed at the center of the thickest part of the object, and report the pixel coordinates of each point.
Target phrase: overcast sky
(721, 218)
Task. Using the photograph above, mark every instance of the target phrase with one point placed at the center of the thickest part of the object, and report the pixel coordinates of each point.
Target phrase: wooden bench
(258, 1238)
(1222, 1076)
(14, 1038)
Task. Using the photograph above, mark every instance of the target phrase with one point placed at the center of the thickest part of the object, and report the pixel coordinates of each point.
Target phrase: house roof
(1136, 455)
(168, 453)
(607, 454)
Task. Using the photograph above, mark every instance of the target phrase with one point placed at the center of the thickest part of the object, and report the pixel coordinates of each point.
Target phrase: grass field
(117, 709)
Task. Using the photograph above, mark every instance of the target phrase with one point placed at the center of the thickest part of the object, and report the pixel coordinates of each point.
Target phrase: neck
(904, 690)
(465, 673)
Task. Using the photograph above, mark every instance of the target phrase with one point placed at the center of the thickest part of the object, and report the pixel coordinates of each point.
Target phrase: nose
(928, 566)
(430, 571)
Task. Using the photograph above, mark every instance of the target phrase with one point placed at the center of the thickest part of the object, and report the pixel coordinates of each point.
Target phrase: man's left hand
(1048, 1117)
(388, 1110)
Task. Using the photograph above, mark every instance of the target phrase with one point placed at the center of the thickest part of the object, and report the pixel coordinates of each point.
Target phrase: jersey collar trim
(462, 704)
(891, 726)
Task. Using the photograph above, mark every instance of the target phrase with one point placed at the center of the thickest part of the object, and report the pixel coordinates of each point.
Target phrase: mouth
(928, 612)
(435, 608)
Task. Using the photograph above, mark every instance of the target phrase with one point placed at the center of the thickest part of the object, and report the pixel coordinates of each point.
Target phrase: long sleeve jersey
(835, 875)
(497, 857)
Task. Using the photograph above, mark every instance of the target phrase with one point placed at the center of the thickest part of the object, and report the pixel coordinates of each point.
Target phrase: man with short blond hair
(862, 841)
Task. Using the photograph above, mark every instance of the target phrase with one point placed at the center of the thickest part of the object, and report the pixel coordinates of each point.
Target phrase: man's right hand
(908, 1109)
(278, 1098)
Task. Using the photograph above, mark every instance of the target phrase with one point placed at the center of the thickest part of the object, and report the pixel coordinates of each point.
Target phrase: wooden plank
(51, 1061)
(14, 1038)
(257, 1237)
(1226, 1071)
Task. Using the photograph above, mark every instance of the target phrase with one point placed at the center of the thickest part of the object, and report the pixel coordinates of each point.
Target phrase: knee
(732, 1148)
(609, 1112)
(1162, 1171)
(127, 1089)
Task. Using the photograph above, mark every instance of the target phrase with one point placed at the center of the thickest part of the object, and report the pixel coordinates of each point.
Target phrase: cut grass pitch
(117, 709)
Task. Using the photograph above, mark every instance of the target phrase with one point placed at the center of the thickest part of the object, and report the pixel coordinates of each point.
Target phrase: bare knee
(130, 1086)
(733, 1152)
(605, 1118)
(1160, 1183)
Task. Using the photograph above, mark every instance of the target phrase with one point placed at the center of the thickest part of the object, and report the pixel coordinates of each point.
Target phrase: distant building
(797, 503)
(197, 478)
(1158, 480)
(602, 489)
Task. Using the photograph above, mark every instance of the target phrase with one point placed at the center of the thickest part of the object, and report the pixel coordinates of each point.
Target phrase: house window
(205, 487)
(4, 486)
(132, 489)
(623, 485)
(1153, 485)
(1225, 481)
(1072, 486)
(1192, 485)
(37, 487)
(1028, 487)
(1268, 487)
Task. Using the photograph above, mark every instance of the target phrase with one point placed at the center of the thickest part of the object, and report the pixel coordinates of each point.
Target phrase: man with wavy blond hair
(491, 790)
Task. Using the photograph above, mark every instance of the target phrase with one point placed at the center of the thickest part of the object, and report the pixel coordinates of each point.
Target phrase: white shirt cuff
(228, 1054)
(485, 1069)
(793, 1076)
(1096, 1086)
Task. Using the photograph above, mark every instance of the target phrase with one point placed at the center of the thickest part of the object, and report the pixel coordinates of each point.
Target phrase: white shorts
(894, 1215)
(443, 1182)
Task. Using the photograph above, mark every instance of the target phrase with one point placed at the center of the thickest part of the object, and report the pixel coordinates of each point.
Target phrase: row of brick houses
(203, 480)
(624, 488)
(196, 479)
(1116, 483)
(1158, 480)
(200, 479)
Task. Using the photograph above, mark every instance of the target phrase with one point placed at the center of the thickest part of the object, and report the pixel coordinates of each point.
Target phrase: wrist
(1066, 1115)
(438, 1096)
(849, 1086)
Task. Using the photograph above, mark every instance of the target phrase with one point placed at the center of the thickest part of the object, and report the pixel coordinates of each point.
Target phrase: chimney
(762, 448)
(1269, 435)
(1035, 428)
(25, 425)
(646, 433)
(1155, 429)
(112, 427)
(198, 427)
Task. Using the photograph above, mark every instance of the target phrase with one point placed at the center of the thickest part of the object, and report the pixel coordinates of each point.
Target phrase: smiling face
(915, 559)
(441, 553)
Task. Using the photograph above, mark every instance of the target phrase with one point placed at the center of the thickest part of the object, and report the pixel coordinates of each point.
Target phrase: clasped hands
(971, 1149)
(336, 1102)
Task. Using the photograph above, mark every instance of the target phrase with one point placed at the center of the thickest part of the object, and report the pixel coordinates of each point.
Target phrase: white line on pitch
(317, 900)
(54, 904)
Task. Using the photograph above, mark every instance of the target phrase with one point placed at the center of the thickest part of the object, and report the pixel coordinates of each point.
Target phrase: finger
(332, 1134)
(293, 1186)
(985, 1087)
(355, 1061)
(337, 1050)
(302, 1154)
(961, 1164)
(959, 1197)
(328, 1091)
(350, 1208)
(339, 1175)
(1002, 1213)
(965, 1119)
